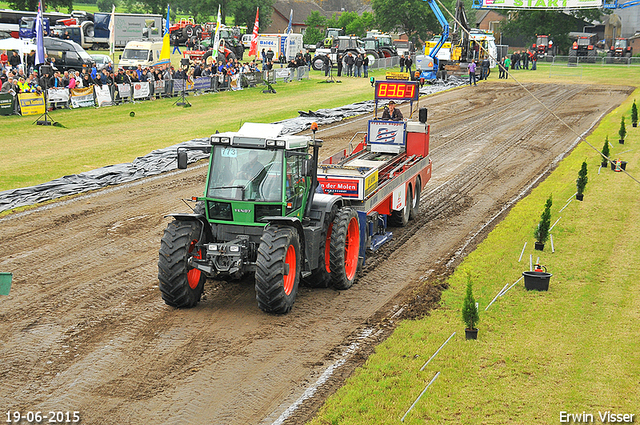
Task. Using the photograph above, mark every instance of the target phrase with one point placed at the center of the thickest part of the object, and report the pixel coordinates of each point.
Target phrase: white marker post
(522, 252)
(423, 391)
(434, 354)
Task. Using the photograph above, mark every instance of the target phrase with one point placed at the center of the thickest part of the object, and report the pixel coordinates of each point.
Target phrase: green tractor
(261, 215)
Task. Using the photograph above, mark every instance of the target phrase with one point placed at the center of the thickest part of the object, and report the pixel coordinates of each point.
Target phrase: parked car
(67, 55)
(102, 61)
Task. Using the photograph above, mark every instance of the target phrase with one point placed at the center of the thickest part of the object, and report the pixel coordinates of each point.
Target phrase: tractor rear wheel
(400, 218)
(278, 269)
(415, 201)
(344, 250)
(321, 277)
(181, 286)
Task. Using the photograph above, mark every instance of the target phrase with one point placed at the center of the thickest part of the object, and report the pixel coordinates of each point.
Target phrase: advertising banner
(31, 103)
(202, 83)
(140, 90)
(83, 97)
(6, 104)
(158, 87)
(386, 133)
(103, 96)
(541, 4)
(178, 86)
(124, 91)
(344, 186)
(58, 95)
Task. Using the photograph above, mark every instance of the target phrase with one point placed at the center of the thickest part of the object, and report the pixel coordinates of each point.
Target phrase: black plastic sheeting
(163, 160)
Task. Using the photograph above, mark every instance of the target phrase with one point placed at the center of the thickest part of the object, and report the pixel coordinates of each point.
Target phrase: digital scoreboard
(397, 90)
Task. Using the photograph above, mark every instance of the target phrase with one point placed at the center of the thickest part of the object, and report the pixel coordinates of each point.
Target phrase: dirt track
(85, 329)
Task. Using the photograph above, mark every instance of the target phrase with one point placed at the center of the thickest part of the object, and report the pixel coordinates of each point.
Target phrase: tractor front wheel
(345, 248)
(180, 285)
(278, 269)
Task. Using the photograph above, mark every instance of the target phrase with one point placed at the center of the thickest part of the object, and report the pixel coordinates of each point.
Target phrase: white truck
(145, 53)
(278, 44)
(94, 34)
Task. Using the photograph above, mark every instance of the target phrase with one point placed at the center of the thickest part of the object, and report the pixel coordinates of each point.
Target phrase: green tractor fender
(206, 226)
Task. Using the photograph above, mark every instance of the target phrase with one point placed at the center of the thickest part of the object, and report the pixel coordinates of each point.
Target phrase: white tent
(24, 47)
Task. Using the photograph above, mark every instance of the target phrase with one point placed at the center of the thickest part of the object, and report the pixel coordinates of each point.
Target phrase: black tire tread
(172, 265)
(269, 277)
(337, 251)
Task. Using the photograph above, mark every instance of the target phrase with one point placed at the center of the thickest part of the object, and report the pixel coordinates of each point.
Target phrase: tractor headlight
(213, 247)
(225, 140)
(271, 142)
(234, 248)
(214, 140)
(280, 143)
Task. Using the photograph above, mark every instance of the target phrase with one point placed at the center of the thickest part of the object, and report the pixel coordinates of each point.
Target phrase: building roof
(301, 10)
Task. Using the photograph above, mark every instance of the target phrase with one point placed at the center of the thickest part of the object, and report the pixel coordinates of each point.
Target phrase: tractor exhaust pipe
(314, 172)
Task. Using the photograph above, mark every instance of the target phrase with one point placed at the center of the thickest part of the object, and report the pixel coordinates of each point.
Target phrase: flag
(39, 37)
(165, 53)
(216, 38)
(253, 51)
(286, 49)
(112, 30)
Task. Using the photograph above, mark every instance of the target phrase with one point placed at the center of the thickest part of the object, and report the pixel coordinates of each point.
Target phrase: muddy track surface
(84, 328)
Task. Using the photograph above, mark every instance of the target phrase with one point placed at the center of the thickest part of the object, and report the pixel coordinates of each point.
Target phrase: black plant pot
(635, 124)
(536, 281)
(579, 196)
(621, 141)
(539, 246)
(471, 333)
(604, 164)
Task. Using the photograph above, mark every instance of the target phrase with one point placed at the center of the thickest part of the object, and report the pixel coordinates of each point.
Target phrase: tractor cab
(256, 172)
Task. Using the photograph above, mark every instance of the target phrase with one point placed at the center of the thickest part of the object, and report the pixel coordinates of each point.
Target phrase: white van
(145, 53)
(246, 41)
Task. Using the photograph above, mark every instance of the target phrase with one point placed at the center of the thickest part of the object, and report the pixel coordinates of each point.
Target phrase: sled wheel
(401, 218)
(415, 202)
(180, 285)
(345, 248)
(278, 269)
(321, 278)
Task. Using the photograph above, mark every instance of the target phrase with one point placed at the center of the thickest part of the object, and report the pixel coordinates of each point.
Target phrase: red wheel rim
(193, 275)
(290, 278)
(352, 248)
(327, 249)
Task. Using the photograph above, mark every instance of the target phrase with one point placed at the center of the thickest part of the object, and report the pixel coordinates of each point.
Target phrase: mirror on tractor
(422, 114)
(307, 167)
(182, 159)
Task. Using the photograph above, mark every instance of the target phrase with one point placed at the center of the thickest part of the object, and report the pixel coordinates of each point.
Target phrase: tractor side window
(295, 184)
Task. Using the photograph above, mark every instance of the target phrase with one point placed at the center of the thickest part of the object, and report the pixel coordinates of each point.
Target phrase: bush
(634, 113)
(605, 152)
(470, 315)
(623, 130)
(542, 231)
(582, 178)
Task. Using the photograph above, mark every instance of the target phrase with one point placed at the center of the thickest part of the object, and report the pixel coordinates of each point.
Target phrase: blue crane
(431, 72)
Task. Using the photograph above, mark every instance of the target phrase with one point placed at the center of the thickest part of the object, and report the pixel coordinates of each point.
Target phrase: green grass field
(571, 349)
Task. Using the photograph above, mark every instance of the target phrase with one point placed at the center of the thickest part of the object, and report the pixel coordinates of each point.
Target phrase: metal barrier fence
(579, 60)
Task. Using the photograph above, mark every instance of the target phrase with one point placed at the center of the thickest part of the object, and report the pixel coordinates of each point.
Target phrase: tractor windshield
(542, 41)
(245, 174)
(370, 45)
(582, 41)
(621, 44)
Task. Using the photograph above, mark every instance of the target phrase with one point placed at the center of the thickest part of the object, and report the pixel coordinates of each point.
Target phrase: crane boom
(430, 74)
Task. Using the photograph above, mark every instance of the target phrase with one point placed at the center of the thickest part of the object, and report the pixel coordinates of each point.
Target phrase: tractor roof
(261, 136)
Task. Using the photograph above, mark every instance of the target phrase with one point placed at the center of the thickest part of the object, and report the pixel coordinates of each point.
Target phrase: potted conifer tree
(581, 183)
(605, 152)
(622, 131)
(542, 231)
(634, 114)
(470, 315)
